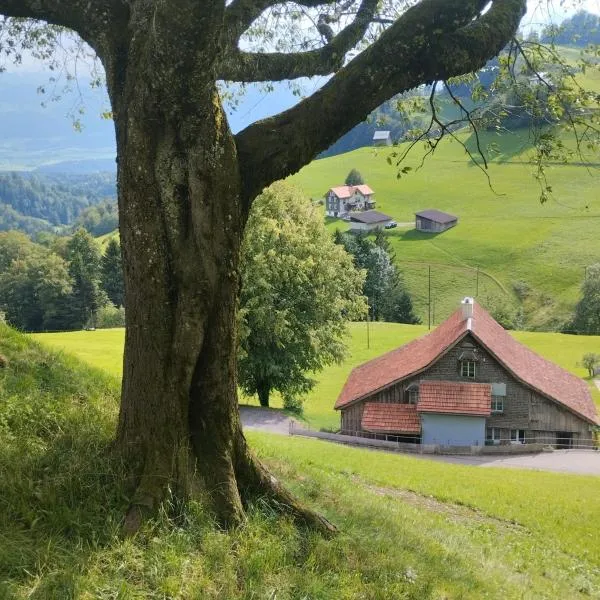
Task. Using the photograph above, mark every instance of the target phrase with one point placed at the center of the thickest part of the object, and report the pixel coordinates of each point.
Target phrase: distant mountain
(39, 134)
(98, 165)
(37, 131)
(580, 30)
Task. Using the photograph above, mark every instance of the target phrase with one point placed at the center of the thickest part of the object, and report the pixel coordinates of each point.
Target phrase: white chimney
(467, 307)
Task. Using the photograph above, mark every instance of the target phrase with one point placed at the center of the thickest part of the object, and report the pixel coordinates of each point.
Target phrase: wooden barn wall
(523, 408)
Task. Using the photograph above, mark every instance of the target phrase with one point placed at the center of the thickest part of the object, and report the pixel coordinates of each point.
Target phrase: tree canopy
(354, 178)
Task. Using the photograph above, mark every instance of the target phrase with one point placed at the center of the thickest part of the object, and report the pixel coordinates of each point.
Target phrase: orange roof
(345, 191)
(390, 418)
(538, 373)
(455, 398)
(364, 189)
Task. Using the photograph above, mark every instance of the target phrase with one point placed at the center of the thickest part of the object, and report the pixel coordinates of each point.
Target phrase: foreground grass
(104, 349)
(461, 533)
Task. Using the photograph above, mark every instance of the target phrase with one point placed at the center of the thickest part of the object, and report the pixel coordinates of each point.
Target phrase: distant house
(368, 220)
(467, 383)
(434, 221)
(343, 199)
(382, 138)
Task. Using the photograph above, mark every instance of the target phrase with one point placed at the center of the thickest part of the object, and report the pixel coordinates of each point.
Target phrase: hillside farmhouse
(434, 221)
(467, 383)
(343, 199)
(382, 138)
(368, 220)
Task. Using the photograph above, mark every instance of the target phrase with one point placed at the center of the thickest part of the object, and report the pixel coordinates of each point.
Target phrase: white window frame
(515, 438)
(495, 435)
(497, 405)
(466, 368)
(413, 394)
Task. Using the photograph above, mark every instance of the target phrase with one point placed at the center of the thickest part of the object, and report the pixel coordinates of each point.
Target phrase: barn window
(412, 394)
(497, 404)
(517, 436)
(467, 368)
(492, 435)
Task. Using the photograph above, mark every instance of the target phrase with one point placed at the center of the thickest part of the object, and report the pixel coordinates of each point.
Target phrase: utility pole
(429, 302)
(368, 312)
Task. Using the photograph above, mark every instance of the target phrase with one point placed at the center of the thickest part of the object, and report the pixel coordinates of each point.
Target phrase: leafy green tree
(299, 289)
(35, 292)
(590, 361)
(587, 311)
(187, 183)
(99, 219)
(112, 273)
(84, 268)
(354, 178)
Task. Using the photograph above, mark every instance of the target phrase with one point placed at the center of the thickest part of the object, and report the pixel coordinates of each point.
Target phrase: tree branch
(254, 66)
(434, 40)
(240, 14)
(90, 19)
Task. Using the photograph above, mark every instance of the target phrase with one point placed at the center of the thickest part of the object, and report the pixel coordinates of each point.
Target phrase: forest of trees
(34, 202)
(63, 284)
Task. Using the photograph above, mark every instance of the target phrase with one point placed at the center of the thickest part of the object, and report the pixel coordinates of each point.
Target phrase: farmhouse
(368, 220)
(434, 221)
(467, 383)
(343, 199)
(382, 138)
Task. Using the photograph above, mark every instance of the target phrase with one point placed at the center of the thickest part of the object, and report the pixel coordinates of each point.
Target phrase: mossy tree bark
(186, 185)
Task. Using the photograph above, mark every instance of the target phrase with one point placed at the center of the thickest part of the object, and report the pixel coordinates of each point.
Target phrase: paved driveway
(266, 419)
(582, 462)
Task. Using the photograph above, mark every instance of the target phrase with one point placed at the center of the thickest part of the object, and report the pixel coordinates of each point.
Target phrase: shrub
(354, 178)
(110, 316)
(293, 404)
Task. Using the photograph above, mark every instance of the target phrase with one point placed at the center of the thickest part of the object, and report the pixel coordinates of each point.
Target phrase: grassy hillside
(409, 528)
(104, 349)
(518, 245)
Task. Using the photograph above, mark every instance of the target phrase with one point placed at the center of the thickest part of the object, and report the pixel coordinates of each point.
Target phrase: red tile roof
(390, 418)
(455, 398)
(400, 363)
(345, 191)
(364, 189)
(538, 373)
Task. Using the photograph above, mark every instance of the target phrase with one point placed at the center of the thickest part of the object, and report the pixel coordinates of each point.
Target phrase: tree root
(225, 485)
(255, 481)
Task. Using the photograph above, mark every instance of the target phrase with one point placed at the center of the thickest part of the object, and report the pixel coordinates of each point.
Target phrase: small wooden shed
(368, 220)
(434, 221)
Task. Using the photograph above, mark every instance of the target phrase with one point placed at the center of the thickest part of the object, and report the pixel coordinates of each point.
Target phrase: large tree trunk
(181, 222)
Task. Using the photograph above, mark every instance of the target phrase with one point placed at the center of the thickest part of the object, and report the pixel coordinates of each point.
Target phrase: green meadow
(103, 348)
(408, 528)
(507, 249)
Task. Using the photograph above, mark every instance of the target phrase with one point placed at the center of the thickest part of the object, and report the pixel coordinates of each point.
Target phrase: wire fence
(414, 443)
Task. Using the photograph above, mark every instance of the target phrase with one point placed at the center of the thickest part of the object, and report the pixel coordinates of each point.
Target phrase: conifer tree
(112, 273)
